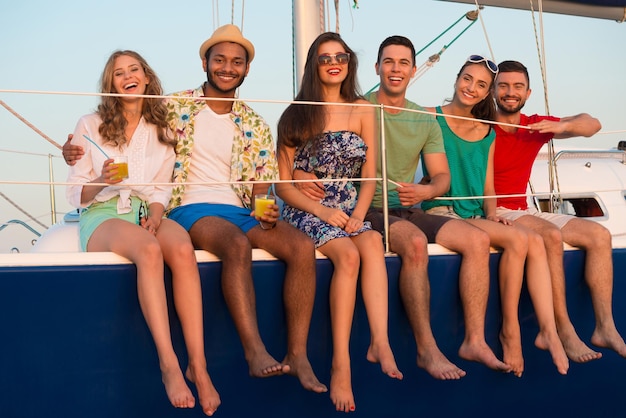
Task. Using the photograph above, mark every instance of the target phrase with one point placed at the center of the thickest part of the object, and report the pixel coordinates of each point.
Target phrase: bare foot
(551, 342)
(481, 353)
(209, 398)
(438, 366)
(576, 350)
(301, 368)
(177, 390)
(382, 354)
(341, 390)
(264, 365)
(512, 352)
(609, 339)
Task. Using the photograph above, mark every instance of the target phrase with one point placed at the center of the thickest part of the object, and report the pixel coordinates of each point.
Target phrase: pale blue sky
(62, 46)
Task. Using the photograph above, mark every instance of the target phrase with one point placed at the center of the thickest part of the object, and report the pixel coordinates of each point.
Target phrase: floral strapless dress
(333, 155)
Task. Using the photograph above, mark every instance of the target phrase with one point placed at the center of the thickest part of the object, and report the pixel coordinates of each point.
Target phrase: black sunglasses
(327, 59)
(477, 59)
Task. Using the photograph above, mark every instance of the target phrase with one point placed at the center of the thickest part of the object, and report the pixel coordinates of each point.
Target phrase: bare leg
(514, 245)
(345, 258)
(236, 254)
(409, 242)
(473, 245)
(178, 253)
(540, 290)
(375, 289)
(575, 348)
(596, 241)
(298, 252)
(142, 248)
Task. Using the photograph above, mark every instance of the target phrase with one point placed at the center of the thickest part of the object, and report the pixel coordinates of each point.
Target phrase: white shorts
(558, 219)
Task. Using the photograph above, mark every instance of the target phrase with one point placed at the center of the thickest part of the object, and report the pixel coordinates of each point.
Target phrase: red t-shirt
(513, 160)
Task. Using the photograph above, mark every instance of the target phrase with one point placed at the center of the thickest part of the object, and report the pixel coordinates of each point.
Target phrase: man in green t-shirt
(408, 134)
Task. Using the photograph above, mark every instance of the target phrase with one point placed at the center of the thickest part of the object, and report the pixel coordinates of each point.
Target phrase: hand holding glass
(261, 203)
(121, 163)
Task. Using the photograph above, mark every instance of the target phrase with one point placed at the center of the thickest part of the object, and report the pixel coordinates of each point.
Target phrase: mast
(308, 21)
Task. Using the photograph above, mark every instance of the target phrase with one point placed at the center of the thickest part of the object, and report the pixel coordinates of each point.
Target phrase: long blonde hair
(110, 108)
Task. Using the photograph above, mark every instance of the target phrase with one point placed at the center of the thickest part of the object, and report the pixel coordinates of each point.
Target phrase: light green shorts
(92, 217)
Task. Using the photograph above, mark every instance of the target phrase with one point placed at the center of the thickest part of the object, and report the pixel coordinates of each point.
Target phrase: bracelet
(267, 229)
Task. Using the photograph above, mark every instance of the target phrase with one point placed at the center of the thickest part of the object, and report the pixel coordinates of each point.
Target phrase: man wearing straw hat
(232, 148)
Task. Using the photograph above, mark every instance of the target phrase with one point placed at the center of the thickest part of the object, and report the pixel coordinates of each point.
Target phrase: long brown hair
(299, 122)
(110, 108)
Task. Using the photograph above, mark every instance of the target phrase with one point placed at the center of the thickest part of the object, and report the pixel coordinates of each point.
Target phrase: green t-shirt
(407, 135)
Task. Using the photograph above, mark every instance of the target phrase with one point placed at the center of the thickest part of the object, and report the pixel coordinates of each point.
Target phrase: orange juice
(122, 170)
(121, 163)
(261, 202)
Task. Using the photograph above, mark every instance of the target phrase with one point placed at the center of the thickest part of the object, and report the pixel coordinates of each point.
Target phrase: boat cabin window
(582, 207)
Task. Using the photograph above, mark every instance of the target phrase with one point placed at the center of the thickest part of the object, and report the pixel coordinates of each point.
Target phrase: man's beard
(213, 84)
(504, 108)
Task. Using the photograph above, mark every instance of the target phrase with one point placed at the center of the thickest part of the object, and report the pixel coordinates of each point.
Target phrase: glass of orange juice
(121, 162)
(261, 202)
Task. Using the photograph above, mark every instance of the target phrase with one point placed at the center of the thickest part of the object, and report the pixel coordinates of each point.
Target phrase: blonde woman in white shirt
(128, 220)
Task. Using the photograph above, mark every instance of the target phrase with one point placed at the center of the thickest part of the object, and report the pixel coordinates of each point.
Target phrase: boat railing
(608, 154)
(380, 108)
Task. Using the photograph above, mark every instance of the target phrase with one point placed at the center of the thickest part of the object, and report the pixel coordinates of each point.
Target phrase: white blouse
(149, 161)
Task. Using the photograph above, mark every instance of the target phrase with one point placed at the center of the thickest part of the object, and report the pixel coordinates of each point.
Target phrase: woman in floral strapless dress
(332, 143)
(332, 155)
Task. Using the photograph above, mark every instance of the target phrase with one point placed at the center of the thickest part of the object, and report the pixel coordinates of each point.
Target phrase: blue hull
(75, 344)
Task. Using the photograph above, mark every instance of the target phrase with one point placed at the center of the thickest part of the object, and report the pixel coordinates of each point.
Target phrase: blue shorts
(187, 215)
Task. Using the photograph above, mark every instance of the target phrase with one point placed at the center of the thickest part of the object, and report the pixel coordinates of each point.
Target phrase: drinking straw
(101, 150)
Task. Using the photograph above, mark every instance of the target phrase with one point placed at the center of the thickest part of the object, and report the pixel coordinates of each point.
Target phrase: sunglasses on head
(477, 59)
(327, 59)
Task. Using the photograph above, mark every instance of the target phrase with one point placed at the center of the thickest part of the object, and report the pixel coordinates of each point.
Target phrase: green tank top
(468, 171)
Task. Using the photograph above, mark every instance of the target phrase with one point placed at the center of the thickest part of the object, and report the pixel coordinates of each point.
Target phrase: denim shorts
(187, 215)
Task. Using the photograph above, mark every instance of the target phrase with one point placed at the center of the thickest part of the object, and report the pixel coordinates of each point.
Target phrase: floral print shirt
(254, 151)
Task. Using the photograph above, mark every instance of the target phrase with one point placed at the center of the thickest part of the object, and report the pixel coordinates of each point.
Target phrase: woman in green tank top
(469, 143)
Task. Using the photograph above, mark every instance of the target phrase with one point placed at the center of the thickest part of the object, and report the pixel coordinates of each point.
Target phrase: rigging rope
(321, 16)
(482, 23)
(16, 206)
(30, 153)
(471, 15)
(30, 125)
(337, 16)
(556, 202)
(433, 59)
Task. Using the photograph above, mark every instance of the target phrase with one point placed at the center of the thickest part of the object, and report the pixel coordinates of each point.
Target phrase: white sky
(62, 46)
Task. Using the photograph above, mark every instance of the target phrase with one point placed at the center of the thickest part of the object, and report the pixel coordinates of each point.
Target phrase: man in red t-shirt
(515, 152)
